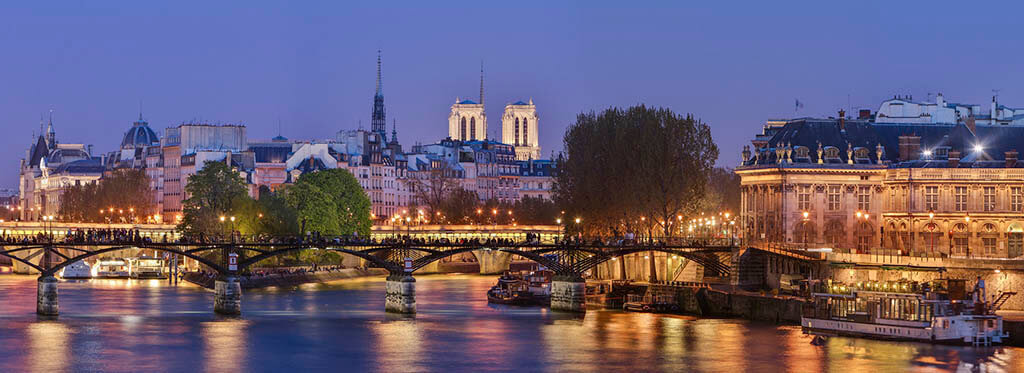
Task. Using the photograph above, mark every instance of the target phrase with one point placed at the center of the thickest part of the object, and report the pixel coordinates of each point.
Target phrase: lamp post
(967, 242)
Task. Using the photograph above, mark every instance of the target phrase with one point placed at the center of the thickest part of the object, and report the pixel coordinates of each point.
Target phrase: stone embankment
(288, 279)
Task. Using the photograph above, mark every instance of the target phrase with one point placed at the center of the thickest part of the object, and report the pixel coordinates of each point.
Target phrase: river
(129, 325)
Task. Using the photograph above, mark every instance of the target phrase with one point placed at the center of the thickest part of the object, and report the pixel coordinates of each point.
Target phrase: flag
(798, 105)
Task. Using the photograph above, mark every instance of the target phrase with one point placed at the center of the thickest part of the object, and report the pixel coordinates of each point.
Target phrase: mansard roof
(854, 134)
(84, 166)
(467, 102)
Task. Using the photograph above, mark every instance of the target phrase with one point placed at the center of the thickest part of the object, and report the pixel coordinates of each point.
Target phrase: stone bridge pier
(400, 294)
(568, 293)
(46, 296)
(227, 299)
(493, 261)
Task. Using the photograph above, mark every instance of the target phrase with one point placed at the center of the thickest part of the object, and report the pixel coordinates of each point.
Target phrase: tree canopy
(634, 169)
(212, 192)
(124, 195)
(330, 202)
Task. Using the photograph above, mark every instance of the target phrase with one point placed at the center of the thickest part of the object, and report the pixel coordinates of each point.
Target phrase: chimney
(89, 149)
(864, 114)
(993, 114)
(940, 101)
(842, 120)
(1011, 158)
(909, 147)
(954, 158)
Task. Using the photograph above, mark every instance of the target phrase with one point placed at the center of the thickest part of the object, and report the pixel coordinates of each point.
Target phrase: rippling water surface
(127, 325)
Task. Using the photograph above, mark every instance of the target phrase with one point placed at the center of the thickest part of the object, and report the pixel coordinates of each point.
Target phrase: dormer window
(832, 154)
(801, 154)
(861, 155)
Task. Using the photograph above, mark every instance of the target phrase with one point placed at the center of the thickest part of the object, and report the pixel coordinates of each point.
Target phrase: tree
(633, 169)
(459, 206)
(212, 192)
(126, 191)
(330, 202)
(535, 210)
(432, 188)
(722, 192)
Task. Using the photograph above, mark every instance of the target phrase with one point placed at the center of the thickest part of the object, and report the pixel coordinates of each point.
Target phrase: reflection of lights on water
(48, 347)
(224, 345)
(399, 344)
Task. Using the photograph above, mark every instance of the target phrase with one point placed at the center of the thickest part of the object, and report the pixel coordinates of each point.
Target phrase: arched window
(526, 132)
(865, 235)
(472, 128)
(462, 135)
(835, 233)
(804, 232)
(932, 235)
(960, 238)
(517, 132)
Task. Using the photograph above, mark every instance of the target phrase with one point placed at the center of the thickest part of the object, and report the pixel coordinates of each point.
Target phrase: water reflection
(224, 345)
(117, 325)
(399, 344)
(48, 347)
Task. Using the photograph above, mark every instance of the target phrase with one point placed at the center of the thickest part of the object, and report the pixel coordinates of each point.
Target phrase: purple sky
(311, 65)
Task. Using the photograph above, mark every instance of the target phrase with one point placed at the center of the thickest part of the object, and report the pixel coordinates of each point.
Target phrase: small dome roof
(139, 135)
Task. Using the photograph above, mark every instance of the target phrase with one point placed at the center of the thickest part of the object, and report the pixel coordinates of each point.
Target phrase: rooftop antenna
(140, 110)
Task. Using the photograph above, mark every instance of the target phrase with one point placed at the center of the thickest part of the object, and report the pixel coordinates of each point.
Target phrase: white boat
(147, 267)
(76, 270)
(112, 268)
(938, 312)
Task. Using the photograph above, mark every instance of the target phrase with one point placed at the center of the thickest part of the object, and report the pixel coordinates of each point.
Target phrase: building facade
(921, 189)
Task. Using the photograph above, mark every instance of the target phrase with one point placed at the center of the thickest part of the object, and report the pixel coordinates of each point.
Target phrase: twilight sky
(311, 65)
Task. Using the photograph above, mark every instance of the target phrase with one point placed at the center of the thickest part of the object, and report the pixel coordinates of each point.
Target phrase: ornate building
(519, 129)
(47, 168)
(899, 188)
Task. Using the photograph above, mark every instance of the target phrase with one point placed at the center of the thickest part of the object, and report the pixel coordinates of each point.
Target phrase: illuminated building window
(1017, 199)
(990, 198)
(833, 198)
(961, 198)
(931, 198)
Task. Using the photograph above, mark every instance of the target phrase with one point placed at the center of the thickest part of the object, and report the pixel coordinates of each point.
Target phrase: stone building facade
(902, 189)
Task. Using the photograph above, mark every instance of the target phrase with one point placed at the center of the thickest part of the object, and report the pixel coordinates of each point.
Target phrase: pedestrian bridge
(569, 260)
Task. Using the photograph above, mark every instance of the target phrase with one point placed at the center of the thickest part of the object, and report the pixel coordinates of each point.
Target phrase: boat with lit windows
(76, 270)
(112, 268)
(522, 289)
(938, 311)
(147, 267)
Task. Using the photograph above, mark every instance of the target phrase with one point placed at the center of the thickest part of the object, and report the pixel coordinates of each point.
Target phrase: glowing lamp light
(978, 148)
(928, 153)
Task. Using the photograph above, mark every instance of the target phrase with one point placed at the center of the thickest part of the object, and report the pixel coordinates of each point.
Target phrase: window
(989, 243)
(526, 132)
(472, 128)
(892, 198)
(1017, 199)
(990, 198)
(517, 132)
(864, 198)
(960, 245)
(833, 198)
(961, 198)
(463, 133)
(931, 198)
(804, 198)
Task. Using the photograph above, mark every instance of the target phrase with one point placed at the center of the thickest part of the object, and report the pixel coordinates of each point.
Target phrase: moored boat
(76, 270)
(147, 267)
(938, 311)
(112, 268)
(522, 289)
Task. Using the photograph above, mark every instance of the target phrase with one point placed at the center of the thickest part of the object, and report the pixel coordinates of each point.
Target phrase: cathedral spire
(481, 82)
(378, 123)
(379, 86)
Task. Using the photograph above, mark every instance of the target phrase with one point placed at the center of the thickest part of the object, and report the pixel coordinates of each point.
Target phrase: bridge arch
(89, 254)
(693, 255)
(391, 267)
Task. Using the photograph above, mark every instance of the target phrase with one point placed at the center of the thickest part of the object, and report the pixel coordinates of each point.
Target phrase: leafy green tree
(535, 210)
(126, 191)
(212, 192)
(330, 202)
(624, 169)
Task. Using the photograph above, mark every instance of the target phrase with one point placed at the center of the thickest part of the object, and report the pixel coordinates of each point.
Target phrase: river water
(128, 325)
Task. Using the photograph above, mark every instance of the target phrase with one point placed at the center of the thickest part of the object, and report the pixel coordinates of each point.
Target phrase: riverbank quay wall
(288, 279)
(999, 274)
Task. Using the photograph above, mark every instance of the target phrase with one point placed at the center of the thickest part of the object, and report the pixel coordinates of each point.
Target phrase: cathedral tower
(468, 121)
(519, 129)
